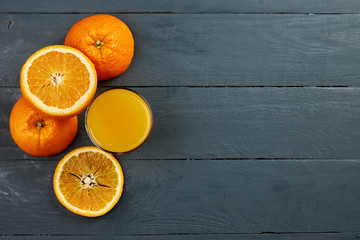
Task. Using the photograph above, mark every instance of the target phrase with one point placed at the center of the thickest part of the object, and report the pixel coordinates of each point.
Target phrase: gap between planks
(190, 13)
(167, 234)
(215, 86)
(198, 159)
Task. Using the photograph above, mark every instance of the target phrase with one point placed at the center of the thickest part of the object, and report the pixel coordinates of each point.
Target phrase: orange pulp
(119, 120)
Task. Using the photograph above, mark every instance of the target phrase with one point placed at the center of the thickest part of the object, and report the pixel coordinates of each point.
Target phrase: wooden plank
(186, 6)
(297, 236)
(203, 123)
(208, 49)
(192, 197)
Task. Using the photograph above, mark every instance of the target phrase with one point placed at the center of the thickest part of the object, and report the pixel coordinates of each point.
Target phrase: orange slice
(88, 181)
(58, 80)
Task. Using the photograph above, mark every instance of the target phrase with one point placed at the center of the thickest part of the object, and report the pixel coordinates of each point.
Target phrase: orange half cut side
(88, 181)
(58, 80)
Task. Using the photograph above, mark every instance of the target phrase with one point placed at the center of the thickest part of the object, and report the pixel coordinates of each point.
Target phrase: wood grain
(223, 161)
(192, 197)
(207, 123)
(208, 49)
(296, 236)
(185, 6)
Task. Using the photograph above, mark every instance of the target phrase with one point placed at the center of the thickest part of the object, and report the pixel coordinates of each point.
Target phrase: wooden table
(256, 121)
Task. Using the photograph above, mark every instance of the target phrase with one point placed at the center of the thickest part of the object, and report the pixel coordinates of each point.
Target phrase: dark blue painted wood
(208, 49)
(206, 43)
(192, 197)
(203, 123)
(266, 236)
(185, 6)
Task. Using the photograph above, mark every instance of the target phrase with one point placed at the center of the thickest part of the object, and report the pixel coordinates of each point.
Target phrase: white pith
(109, 205)
(81, 101)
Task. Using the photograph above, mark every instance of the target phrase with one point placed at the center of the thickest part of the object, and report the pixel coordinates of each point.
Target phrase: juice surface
(119, 120)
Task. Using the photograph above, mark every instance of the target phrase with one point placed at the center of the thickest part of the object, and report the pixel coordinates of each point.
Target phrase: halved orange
(88, 181)
(58, 80)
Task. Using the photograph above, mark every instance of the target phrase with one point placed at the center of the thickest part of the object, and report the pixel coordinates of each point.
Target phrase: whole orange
(38, 134)
(106, 40)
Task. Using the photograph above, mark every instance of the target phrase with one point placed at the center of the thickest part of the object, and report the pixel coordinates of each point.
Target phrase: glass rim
(148, 134)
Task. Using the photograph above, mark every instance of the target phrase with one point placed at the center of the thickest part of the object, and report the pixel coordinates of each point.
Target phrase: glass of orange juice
(119, 120)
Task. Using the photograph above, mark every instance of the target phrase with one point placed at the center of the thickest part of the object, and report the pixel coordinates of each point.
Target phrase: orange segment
(58, 80)
(88, 181)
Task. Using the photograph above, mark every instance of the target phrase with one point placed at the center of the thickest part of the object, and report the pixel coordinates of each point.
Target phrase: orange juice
(119, 120)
